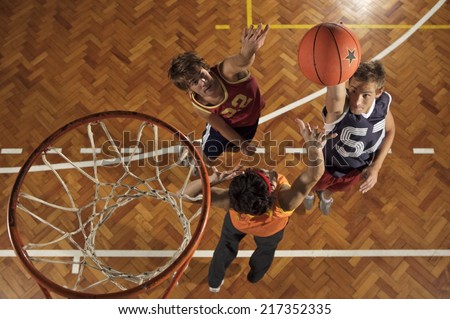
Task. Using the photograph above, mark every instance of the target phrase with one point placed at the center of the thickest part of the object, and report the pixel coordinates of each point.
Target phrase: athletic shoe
(252, 277)
(186, 160)
(183, 156)
(216, 289)
(308, 202)
(324, 204)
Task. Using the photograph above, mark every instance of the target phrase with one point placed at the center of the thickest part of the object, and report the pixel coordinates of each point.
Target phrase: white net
(114, 221)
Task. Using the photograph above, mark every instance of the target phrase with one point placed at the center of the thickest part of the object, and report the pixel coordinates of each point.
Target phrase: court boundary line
(330, 253)
(295, 253)
(170, 150)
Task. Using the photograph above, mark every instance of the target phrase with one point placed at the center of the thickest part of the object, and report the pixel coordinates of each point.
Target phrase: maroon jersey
(242, 103)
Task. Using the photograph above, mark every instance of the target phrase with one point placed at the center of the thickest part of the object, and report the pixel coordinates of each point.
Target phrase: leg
(321, 185)
(247, 132)
(214, 144)
(225, 252)
(327, 194)
(337, 184)
(262, 257)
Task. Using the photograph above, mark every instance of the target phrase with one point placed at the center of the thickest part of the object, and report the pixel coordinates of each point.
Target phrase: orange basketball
(329, 54)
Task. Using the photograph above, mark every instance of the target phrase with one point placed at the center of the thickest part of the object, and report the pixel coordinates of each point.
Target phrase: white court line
(358, 253)
(11, 151)
(82, 164)
(76, 265)
(172, 149)
(287, 150)
(295, 150)
(54, 150)
(131, 150)
(89, 150)
(423, 150)
(347, 253)
(291, 106)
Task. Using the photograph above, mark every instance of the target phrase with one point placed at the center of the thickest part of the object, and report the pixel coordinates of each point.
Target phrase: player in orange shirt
(258, 202)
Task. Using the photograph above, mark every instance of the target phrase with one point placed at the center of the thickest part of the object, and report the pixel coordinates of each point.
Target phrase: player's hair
(184, 67)
(249, 194)
(371, 71)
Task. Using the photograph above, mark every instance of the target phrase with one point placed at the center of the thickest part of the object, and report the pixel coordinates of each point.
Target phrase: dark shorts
(337, 184)
(214, 144)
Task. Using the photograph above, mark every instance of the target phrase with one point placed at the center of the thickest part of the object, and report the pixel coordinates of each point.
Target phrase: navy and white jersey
(359, 137)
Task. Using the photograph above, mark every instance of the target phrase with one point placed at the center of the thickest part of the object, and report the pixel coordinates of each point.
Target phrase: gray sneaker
(185, 160)
(308, 202)
(216, 289)
(183, 156)
(324, 205)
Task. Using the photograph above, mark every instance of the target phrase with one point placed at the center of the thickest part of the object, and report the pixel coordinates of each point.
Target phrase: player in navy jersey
(226, 95)
(365, 127)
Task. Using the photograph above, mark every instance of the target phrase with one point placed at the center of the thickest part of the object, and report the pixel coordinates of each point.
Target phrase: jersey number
(239, 102)
(346, 138)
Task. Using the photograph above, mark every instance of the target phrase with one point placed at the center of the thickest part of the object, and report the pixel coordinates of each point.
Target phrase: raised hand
(313, 135)
(253, 39)
(219, 177)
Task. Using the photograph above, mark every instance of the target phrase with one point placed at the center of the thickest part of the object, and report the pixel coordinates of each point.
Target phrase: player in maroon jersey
(225, 95)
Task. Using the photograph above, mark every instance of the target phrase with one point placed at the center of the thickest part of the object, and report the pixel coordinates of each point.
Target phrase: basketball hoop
(98, 192)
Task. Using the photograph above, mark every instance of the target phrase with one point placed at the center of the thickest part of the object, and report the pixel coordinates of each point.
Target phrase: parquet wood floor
(61, 60)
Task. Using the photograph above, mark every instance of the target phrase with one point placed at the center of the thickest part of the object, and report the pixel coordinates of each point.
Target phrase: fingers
(237, 168)
(330, 136)
(326, 136)
(305, 128)
(259, 28)
(300, 123)
(262, 32)
(366, 186)
(244, 33)
(315, 133)
(232, 172)
(215, 170)
(258, 33)
(369, 180)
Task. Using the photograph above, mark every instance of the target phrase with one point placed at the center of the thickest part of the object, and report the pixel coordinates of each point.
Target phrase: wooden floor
(61, 60)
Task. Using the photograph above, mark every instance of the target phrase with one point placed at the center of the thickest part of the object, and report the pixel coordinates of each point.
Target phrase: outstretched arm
(219, 196)
(291, 198)
(228, 132)
(252, 41)
(370, 174)
(335, 102)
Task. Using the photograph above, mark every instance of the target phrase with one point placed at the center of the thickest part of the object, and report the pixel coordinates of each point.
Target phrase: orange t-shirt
(266, 224)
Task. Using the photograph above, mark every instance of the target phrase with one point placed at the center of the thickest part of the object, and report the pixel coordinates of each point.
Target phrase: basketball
(329, 54)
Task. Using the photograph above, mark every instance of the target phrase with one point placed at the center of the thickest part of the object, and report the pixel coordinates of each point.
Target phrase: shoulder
(220, 198)
(384, 99)
(382, 104)
(232, 77)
